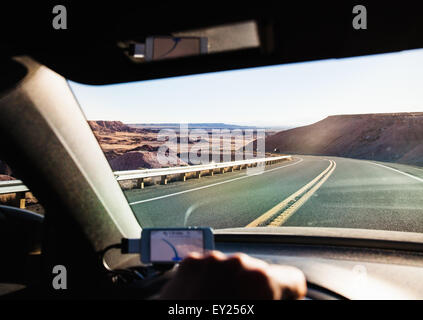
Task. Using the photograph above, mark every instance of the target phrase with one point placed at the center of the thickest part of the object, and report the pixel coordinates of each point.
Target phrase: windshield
(333, 143)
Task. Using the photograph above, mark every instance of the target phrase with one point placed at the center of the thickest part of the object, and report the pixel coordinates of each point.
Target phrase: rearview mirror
(221, 38)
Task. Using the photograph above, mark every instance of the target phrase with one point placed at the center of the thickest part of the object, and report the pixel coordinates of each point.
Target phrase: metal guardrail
(12, 186)
(15, 186)
(149, 173)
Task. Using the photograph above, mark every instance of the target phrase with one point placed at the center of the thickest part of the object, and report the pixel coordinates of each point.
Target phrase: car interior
(48, 144)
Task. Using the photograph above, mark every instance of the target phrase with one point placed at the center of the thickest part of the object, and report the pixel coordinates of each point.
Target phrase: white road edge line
(212, 185)
(404, 173)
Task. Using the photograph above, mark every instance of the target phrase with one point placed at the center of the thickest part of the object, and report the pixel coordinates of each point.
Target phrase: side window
(20, 234)
(13, 191)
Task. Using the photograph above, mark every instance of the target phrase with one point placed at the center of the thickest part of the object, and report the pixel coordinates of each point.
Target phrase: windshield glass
(333, 143)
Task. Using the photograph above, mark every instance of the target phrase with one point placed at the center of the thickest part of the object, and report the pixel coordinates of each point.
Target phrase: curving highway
(307, 191)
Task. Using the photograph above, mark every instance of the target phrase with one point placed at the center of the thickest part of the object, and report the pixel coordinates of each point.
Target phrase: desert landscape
(135, 146)
(390, 137)
(126, 147)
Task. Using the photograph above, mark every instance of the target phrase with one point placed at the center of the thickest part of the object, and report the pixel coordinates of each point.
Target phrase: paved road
(308, 191)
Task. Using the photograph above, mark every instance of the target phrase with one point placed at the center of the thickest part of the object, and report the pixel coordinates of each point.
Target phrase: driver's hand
(239, 276)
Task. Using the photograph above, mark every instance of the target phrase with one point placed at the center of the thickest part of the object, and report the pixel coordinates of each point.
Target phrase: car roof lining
(302, 31)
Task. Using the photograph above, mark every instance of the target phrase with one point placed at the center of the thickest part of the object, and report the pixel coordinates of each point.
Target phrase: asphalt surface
(328, 192)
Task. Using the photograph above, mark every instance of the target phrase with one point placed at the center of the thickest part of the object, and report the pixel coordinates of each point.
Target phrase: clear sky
(285, 95)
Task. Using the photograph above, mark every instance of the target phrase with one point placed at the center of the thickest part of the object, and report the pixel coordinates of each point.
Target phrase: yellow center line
(282, 205)
(281, 219)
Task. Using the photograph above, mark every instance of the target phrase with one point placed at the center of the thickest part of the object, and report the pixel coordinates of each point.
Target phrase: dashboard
(338, 264)
(335, 272)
